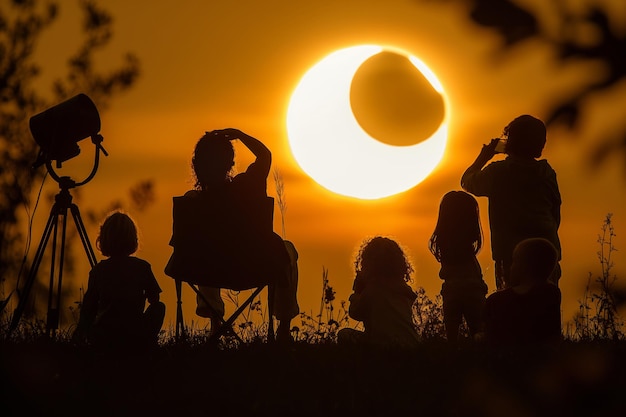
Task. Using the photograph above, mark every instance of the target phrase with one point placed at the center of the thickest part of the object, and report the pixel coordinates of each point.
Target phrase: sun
(358, 131)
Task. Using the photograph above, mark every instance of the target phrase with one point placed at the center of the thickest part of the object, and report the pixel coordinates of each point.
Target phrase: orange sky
(208, 65)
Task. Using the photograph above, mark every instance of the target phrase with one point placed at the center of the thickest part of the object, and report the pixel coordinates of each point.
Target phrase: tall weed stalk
(598, 318)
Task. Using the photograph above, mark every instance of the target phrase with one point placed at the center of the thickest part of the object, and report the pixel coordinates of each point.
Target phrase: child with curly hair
(382, 298)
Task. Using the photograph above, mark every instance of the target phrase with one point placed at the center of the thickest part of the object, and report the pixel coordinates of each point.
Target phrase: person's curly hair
(383, 257)
(213, 160)
(118, 235)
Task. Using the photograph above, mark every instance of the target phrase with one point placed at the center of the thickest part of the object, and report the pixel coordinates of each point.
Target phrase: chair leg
(270, 308)
(224, 326)
(180, 324)
(227, 326)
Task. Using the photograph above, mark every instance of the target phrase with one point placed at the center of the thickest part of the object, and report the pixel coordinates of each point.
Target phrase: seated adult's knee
(155, 313)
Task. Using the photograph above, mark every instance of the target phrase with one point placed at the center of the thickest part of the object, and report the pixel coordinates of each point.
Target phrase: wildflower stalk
(324, 286)
(280, 198)
(603, 322)
(607, 307)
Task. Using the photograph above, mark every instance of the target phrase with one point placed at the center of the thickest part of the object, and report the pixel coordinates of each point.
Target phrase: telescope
(57, 131)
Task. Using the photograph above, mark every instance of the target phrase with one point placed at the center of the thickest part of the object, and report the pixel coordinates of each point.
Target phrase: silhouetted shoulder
(501, 298)
(126, 261)
(192, 193)
(545, 293)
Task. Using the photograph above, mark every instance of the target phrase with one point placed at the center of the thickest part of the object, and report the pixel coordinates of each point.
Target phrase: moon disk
(332, 148)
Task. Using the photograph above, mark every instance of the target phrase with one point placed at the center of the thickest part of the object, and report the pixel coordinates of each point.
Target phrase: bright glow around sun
(430, 76)
(332, 148)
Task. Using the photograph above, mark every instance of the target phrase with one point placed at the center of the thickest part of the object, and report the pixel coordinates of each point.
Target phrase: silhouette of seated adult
(529, 311)
(223, 236)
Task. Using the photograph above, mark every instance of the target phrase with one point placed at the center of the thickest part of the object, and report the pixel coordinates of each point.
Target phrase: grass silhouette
(583, 376)
(312, 379)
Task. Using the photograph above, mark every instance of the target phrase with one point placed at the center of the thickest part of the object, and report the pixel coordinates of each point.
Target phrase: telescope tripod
(58, 214)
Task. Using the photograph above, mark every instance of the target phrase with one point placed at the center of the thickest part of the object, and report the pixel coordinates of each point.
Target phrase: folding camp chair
(225, 244)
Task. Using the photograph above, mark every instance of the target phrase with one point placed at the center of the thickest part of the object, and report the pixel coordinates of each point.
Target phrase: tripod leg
(54, 299)
(82, 232)
(60, 207)
(32, 274)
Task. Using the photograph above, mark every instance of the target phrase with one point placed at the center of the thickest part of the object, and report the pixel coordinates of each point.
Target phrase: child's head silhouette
(458, 231)
(383, 257)
(213, 159)
(118, 235)
(526, 137)
(534, 260)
